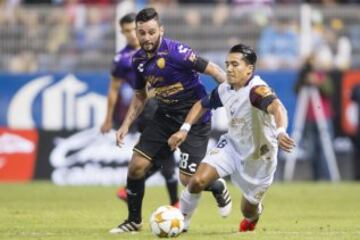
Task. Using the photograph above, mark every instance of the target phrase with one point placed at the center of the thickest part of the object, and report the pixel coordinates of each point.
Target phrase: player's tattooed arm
(136, 107)
(277, 109)
(216, 72)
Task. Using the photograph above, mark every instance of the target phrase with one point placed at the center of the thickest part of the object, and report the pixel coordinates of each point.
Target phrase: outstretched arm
(136, 107)
(192, 117)
(216, 72)
(277, 109)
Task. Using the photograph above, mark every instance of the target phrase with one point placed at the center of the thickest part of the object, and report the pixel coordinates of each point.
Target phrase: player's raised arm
(136, 107)
(115, 84)
(277, 109)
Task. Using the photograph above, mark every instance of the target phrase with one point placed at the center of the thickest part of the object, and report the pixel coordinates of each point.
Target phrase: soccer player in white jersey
(248, 151)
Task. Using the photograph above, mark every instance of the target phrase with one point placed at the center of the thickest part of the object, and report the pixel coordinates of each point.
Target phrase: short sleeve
(184, 56)
(213, 100)
(117, 68)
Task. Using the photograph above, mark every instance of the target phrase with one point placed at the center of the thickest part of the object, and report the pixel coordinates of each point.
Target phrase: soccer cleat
(177, 204)
(127, 227)
(224, 200)
(122, 194)
(246, 225)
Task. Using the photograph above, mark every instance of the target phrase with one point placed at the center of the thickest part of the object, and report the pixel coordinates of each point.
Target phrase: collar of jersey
(247, 83)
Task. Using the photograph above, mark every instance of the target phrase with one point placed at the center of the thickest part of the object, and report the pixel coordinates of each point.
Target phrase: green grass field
(41, 210)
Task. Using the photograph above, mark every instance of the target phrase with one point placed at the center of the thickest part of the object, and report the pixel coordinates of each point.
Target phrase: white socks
(188, 202)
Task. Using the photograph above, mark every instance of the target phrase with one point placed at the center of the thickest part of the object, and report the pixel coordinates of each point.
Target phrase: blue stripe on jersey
(213, 101)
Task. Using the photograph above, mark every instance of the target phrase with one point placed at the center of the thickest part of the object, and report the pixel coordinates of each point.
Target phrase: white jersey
(251, 129)
(248, 151)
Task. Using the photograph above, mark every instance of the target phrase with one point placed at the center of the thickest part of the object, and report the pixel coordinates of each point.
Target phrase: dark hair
(128, 18)
(147, 14)
(249, 55)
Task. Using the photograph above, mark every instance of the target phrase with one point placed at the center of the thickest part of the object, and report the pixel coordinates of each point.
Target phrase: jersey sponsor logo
(237, 121)
(152, 79)
(214, 151)
(263, 91)
(167, 101)
(141, 67)
(167, 91)
(160, 63)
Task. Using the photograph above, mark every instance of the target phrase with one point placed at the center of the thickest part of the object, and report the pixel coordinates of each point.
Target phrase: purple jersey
(122, 69)
(171, 74)
(121, 66)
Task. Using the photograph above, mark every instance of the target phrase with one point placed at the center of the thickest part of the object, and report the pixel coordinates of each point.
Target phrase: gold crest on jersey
(160, 63)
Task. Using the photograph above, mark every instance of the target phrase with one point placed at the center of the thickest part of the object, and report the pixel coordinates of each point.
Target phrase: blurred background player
(172, 70)
(121, 75)
(248, 151)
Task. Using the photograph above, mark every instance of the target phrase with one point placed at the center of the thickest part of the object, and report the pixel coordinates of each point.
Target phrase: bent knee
(197, 184)
(138, 167)
(184, 179)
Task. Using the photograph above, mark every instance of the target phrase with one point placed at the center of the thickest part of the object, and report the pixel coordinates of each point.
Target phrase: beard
(155, 45)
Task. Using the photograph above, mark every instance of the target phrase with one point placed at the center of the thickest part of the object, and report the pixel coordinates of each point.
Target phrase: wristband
(185, 127)
(279, 131)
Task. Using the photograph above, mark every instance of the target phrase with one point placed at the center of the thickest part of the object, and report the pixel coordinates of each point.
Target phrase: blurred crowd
(78, 35)
(166, 2)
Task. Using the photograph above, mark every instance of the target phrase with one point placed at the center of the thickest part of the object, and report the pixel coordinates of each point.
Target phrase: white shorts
(252, 176)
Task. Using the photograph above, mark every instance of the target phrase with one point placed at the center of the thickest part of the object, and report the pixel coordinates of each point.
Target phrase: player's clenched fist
(120, 135)
(285, 142)
(177, 139)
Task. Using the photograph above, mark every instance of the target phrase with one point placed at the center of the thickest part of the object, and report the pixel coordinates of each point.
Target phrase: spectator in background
(92, 36)
(25, 62)
(311, 75)
(340, 44)
(279, 46)
(330, 45)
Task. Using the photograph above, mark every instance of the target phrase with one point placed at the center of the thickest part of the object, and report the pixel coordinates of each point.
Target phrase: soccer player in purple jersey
(122, 72)
(172, 70)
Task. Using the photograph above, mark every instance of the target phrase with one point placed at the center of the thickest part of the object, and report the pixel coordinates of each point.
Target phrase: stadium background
(55, 60)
